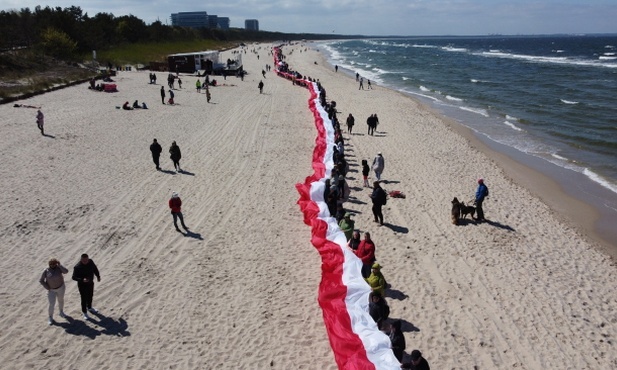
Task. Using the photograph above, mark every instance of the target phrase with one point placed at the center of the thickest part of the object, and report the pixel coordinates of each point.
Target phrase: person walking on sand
(179, 83)
(368, 84)
(361, 87)
(208, 96)
(83, 273)
(175, 204)
(163, 94)
(378, 197)
(175, 155)
(156, 150)
(378, 165)
(350, 122)
(481, 193)
(40, 121)
(198, 86)
(261, 86)
(52, 279)
(171, 97)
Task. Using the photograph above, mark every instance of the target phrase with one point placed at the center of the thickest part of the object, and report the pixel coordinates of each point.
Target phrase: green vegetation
(41, 48)
(143, 53)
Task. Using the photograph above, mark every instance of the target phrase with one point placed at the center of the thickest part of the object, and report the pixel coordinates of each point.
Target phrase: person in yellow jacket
(347, 225)
(376, 280)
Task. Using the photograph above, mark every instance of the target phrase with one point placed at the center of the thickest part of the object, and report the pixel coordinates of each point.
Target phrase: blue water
(553, 97)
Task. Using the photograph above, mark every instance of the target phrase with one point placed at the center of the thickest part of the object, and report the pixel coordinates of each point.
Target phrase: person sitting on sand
(126, 106)
(136, 105)
(143, 105)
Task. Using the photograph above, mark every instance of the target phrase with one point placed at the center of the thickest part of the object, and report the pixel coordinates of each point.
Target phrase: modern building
(251, 24)
(190, 19)
(223, 23)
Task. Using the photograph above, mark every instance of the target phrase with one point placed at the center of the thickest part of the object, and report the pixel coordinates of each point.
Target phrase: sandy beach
(527, 290)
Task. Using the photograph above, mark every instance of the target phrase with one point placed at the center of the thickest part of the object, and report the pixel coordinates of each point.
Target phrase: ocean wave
(600, 180)
(609, 54)
(512, 125)
(425, 46)
(452, 98)
(555, 155)
(479, 111)
(422, 88)
(421, 95)
(548, 59)
(453, 49)
(568, 102)
(603, 57)
(511, 118)
(405, 78)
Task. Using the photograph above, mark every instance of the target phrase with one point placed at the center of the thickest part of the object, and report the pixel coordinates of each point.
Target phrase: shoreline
(539, 177)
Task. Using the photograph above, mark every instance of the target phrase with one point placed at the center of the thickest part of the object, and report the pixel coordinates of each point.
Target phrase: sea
(548, 101)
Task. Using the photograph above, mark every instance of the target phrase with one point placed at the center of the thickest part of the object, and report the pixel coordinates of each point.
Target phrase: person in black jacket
(156, 150)
(83, 273)
(397, 339)
(378, 308)
(175, 155)
(378, 197)
(417, 362)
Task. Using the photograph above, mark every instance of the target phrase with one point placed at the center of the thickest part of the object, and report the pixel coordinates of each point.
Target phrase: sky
(374, 17)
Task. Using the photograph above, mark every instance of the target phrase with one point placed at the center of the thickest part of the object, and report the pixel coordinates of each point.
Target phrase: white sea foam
(555, 155)
(600, 180)
(554, 60)
(422, 88)
(602, 57)
(449, 97)
(512, 125)
(451, 48)
(405, 78)
(479, 111)
(425, 46)
(421, 95)
(568, 102)
(609, 54)
(511, 118)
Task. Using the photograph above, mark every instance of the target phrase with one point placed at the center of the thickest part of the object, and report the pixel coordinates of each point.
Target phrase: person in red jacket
(175, 204)
(366, 252)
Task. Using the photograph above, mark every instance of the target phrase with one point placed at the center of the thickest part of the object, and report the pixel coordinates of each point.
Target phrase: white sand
(527, 291)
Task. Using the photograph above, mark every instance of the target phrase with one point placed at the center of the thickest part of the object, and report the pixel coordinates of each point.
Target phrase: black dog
(456, 210)
(467, 210)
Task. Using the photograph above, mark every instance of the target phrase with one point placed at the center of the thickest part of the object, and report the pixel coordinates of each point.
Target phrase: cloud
(376, 17)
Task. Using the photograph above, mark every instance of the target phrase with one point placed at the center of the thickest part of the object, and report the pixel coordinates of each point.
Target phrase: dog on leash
(467, 210)
(456, 211)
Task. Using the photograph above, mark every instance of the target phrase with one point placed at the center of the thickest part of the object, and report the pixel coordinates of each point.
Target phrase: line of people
(335, 194)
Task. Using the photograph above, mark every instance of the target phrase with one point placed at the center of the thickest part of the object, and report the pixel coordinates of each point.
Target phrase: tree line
(69, 32)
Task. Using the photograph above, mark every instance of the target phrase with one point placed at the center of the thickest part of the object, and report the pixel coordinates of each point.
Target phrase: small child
(365, 171)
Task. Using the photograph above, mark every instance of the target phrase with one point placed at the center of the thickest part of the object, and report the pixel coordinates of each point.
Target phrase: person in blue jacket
(481, 193)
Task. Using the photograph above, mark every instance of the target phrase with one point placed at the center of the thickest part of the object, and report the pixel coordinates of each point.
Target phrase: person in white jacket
(378, 165)
(52, 279)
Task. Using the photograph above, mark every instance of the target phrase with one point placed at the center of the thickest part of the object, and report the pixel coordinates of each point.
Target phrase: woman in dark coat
(175, 155)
